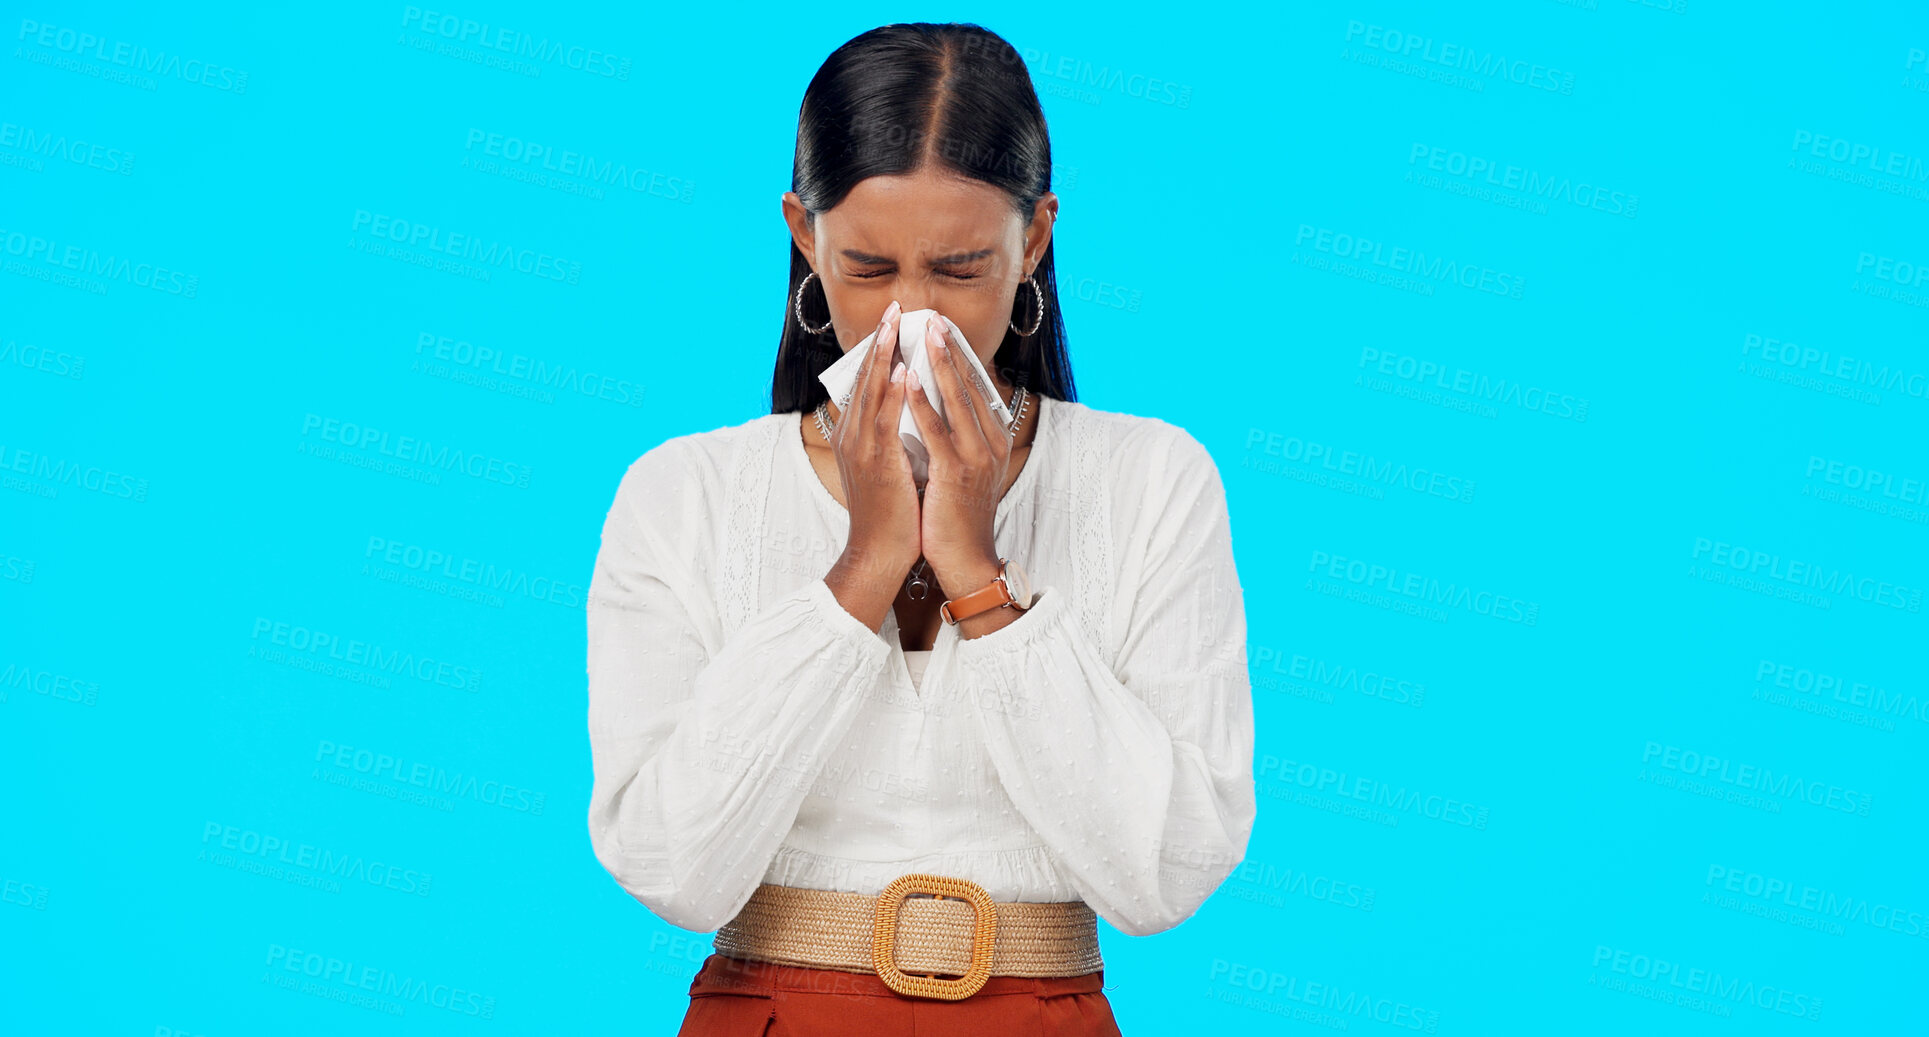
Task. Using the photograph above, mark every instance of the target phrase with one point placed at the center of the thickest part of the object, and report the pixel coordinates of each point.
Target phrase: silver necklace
(1020, 400)
(915, 585)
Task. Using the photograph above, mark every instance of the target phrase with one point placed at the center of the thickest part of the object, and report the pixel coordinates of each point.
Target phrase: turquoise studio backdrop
(1566, 365)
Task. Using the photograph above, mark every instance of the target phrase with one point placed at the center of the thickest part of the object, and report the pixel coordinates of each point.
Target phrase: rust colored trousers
(731, 997)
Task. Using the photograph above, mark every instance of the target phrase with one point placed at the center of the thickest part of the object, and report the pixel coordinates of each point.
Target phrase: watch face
(1018, 582)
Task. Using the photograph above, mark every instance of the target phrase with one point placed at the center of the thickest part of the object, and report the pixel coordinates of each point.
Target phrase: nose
(917, 298)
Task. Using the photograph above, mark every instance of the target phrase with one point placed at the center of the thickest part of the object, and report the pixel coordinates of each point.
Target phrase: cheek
(981, 315)
(855, 309)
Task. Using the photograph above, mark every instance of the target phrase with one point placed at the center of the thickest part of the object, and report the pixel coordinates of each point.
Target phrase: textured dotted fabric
(744, 728)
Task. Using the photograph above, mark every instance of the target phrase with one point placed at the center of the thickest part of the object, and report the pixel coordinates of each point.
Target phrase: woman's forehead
(922, 213)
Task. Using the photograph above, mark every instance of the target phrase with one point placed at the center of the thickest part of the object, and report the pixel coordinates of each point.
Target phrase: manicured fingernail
(912, 376)
(897, 373)
(891, 310)
(940, 335)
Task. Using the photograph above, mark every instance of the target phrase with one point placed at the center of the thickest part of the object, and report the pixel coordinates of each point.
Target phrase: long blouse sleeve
(704, 747)
(1138, 781)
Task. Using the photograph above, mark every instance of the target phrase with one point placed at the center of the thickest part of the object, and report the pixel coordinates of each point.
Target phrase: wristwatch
(1011, 588)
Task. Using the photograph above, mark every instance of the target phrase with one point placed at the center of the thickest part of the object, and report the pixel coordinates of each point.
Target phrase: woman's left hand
(970, 455)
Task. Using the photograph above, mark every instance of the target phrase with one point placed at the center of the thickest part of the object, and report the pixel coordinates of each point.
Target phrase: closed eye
(887, 273)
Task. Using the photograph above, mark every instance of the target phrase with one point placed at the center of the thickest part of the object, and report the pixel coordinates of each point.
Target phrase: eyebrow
(860, 256)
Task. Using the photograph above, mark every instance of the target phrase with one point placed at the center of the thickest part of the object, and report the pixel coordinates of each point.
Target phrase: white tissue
(841, 377)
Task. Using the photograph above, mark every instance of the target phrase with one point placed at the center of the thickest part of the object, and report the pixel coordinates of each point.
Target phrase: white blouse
(745, 728)
(915, 660)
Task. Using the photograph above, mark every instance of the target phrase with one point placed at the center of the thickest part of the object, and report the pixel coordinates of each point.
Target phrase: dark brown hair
(882, 105)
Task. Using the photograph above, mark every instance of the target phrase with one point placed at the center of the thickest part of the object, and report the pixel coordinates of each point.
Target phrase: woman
(830, 715)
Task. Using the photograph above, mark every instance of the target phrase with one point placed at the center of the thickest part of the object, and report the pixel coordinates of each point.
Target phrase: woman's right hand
(878, 488)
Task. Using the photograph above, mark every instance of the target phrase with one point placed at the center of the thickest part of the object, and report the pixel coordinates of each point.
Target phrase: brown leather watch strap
(992, 595)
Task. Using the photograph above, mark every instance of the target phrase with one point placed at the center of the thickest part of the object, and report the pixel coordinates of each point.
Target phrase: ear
(801, 233)
(1039, 234)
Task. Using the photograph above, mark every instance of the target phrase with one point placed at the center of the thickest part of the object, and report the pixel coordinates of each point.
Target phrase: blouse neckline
(1043, 435)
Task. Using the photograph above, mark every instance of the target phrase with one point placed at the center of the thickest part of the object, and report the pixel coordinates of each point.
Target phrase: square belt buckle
(884, 936)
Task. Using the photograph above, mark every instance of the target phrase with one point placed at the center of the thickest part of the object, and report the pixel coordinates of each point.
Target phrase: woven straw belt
(918, 927)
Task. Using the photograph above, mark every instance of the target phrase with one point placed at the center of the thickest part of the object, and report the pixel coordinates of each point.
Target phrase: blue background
(1469, 823)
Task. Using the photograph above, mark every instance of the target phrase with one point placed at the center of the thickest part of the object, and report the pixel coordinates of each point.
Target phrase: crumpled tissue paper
(841, 378)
